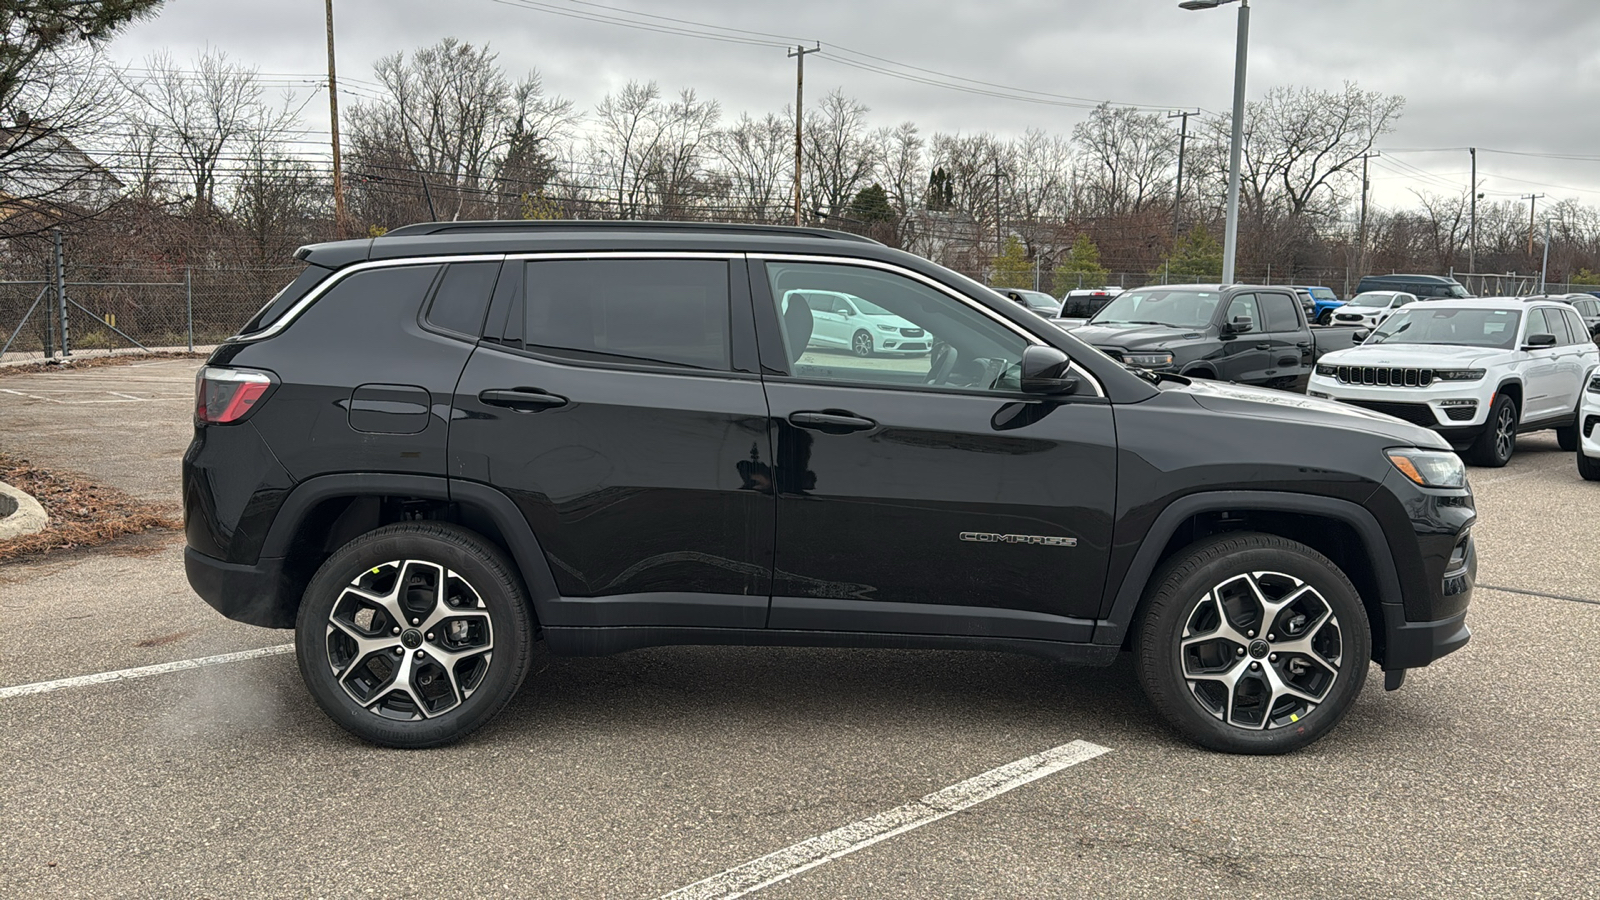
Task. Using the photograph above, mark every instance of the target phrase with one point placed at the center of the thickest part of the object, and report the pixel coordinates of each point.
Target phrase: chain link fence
(124, 307)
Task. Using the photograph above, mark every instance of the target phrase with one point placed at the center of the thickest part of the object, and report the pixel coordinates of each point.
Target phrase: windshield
(1372, 299)
(1036, 300)
(1459, 292)
(1179, 309)
(1462, 327)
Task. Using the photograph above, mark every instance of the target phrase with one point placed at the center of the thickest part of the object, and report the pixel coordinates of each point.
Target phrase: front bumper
(1459, 410)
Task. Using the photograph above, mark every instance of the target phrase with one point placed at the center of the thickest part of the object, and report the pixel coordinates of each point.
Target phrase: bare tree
(898, 154)
(757, 156)
(1128, 158)
(624, 144)
(838, 152)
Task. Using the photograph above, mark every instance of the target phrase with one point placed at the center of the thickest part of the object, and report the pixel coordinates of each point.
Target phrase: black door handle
(831, 421)
(1288, 362)
(522, 399)
(1263, 346)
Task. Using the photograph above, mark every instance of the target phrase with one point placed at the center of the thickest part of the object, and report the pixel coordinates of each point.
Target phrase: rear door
(926, 494)
(616, 401)
(1289, 352)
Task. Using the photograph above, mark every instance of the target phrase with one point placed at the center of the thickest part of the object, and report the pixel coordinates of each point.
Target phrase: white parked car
(1369, 310)
(1588, 425)
(1479, 372)
(848, 322)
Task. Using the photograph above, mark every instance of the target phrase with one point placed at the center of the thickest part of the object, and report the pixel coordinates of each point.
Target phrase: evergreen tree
(871, 206)
(1080, 268)
(1196, 258)
(1012, 268)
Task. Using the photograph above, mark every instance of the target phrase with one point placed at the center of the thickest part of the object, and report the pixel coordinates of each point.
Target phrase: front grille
(1461, 413)
(1415, 413)
(911, 332)
(1349, 317)
(1381, 376)
(913, 346)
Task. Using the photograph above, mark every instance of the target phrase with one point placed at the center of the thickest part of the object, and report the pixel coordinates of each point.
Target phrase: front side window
(1158, 306)
(667, 311)
(893, 331)
(1425, 324)
(1247, 306)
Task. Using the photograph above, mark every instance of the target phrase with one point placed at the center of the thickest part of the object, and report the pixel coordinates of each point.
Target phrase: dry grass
(75, 363)
(82, 513)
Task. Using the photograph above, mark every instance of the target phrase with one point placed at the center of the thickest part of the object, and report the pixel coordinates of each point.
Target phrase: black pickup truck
(1240, 333)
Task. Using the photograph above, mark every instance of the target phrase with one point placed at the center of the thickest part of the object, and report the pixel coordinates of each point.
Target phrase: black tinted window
(350, 308)
(463, 295)
(668, 311)
(1280, 312)
(284, 300)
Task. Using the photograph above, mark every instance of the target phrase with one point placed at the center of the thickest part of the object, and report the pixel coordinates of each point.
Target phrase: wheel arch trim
(520, 540)
(1113, 628)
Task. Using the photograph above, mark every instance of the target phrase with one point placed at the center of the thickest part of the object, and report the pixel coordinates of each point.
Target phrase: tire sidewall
(488, 575)
(1178, 592)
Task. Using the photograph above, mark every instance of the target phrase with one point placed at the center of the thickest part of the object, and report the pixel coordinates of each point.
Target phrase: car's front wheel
(1252, 643)
(414, 635)
(1494, 446)
(861, 344)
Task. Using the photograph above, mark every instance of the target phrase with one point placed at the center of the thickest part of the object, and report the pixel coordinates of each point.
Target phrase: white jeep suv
(1477, 371)
(1588, 424)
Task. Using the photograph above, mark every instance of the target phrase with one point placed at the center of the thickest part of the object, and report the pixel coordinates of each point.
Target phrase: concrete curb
(28, 518)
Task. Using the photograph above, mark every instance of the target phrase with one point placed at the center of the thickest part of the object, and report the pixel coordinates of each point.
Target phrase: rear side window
(285, 299)
(462, 297)
(672, 311)
(349, 308)
(1280, 313)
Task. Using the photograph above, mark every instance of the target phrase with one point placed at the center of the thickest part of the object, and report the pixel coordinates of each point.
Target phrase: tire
(353, 654)
(1588, 468)
(1493, 448)
(1325, 318)
(1567, 438)
(1326, 662)
(861, 344)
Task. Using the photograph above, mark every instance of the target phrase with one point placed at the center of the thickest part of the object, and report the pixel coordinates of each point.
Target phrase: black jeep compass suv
(436, 447)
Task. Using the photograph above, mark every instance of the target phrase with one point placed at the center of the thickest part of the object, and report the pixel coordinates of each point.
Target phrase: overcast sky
(1511, 75)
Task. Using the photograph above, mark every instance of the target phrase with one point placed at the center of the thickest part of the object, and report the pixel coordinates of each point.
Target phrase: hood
(1411, 356)
(1262, 403)
(1135, 337)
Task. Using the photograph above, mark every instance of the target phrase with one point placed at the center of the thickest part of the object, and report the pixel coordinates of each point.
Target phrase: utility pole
(1177, 198)
(333, 117)
(1472, 220)
(1361, 237)
(1544, 270)
(798, 54)
(999, 239)
(1533, 203)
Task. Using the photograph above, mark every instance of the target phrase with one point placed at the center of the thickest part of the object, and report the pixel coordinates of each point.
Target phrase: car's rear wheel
(1252, 643)
(414, 635)
(861, 344)
(1494, 446)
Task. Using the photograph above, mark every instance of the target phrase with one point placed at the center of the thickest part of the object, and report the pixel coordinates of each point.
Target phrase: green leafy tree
(1196, 258)
(1011, 267)
(1080, 267)
(1584, 276)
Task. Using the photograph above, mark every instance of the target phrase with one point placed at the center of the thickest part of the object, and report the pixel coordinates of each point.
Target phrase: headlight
(1327, 371)
(889, 328)
(1430, 468)
(1148, 360)
(1594, 385)
(1458, 374)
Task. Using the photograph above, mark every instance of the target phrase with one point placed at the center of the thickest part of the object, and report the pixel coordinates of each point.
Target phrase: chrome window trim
(1026, 335)
(623, 254)
(338, 277)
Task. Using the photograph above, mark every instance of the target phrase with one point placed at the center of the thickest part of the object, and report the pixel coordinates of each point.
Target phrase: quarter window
(886, 330)
(463, 296)
(671, 311)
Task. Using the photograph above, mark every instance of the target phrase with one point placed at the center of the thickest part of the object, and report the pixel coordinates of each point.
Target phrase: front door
(1546, 387)
(1244, 355)
(610, 405)
(1289, 344)
(926, 494)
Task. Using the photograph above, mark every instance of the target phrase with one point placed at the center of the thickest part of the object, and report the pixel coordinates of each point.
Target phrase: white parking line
(812, 852)
(44, 687)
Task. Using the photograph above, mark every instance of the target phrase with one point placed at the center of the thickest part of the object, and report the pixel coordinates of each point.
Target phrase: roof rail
(536, 225)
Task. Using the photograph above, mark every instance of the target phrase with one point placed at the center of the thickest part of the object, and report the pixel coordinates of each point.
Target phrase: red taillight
(227, 395)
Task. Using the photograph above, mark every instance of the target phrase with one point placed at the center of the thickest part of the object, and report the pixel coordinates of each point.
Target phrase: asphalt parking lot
(641, 774)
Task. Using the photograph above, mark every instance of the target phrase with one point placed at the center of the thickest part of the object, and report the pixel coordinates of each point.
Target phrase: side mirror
(1540, 341)
(1239, 325)
(1361, 335)
(1045, 371)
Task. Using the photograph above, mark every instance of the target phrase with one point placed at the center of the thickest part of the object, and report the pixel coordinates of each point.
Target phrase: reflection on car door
(1545, 389)
(957, 507)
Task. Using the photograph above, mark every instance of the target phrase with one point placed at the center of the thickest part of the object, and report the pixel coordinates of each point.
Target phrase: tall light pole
(1230, 240)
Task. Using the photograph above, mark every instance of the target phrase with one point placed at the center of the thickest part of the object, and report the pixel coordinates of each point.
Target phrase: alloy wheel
(409, 640)
(1261, 650)
(1505, 432)
(862, 344)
